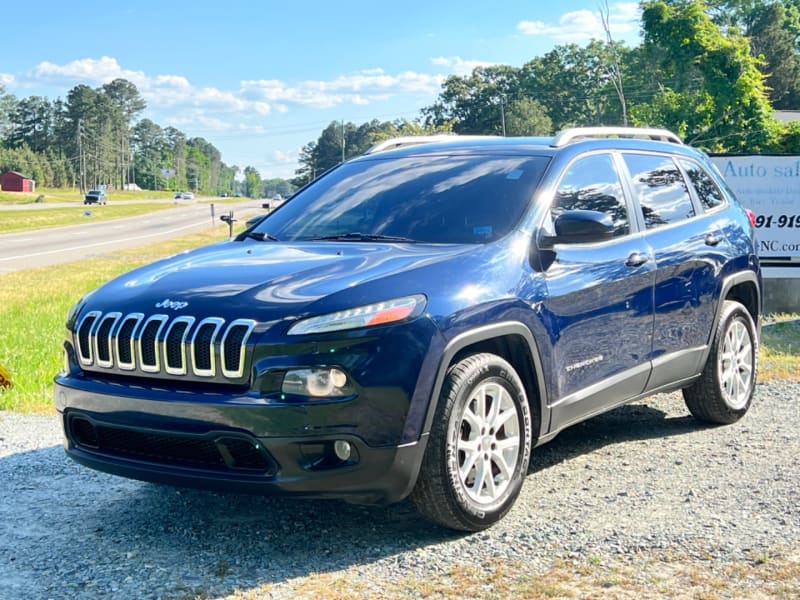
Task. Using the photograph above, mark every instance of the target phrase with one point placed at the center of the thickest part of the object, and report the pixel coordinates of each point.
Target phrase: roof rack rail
(413, 140)
(578, 133)
(407, 140)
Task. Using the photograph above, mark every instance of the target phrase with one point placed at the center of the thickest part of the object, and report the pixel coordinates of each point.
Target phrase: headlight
(380, 313)
(319, 382)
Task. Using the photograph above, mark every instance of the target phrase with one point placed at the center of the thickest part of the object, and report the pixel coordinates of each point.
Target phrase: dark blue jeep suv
(416, 320)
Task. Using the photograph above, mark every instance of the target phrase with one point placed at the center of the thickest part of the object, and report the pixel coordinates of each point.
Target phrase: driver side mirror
(579, 227)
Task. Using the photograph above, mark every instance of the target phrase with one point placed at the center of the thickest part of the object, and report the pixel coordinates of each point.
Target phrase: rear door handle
(712, 240)
(636, 259)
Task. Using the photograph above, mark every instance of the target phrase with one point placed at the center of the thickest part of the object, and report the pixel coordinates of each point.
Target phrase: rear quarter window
(707, 190)
(660, 189)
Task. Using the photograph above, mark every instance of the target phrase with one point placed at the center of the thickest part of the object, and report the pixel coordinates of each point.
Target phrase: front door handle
(636, 259)
(712, 240)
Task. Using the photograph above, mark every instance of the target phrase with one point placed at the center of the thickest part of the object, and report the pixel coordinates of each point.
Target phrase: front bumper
(212, 442)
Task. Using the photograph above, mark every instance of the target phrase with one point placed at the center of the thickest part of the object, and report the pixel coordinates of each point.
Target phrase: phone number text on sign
(778, 221)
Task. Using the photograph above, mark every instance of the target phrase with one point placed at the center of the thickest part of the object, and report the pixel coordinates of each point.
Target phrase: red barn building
(16, 182)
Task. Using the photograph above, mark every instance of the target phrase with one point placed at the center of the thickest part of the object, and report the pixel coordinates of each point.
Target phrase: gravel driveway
(644, 479)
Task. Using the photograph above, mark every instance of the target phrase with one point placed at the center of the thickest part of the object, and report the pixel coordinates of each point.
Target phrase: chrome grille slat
(162, 345)
(83, 337)
(124, 341)
(148, 343)
(102, 339)
(175, 345)
(202, 346)
(233, 349)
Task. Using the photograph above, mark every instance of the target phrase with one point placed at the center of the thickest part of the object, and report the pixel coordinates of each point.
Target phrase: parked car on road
(95, 197)
(417, 320)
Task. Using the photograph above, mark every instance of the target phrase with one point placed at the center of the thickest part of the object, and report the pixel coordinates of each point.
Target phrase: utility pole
(342, 140)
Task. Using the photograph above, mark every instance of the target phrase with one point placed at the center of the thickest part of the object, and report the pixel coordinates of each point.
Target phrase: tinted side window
(660, 188)
(708, 192)
(592, 183)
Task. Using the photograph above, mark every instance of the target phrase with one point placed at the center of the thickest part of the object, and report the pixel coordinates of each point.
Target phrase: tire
(482, 425)
(724, 392)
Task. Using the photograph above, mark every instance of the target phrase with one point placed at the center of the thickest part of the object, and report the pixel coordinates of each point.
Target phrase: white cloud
(255, 97)
(98, 70)
(7, 79)
(159, 91)
(458, 65)
(583, 25)
(361, 88)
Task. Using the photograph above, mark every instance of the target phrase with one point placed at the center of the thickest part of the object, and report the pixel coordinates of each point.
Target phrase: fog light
(320, 382)
(342, 450)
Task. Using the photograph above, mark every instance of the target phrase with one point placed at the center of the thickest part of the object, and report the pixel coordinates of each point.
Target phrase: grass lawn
(33, 307)
(50, 195)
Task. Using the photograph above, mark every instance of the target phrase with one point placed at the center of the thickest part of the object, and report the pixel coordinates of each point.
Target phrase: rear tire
(724, 392)
(479, 447)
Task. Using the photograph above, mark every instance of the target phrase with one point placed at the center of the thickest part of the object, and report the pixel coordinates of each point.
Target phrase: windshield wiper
(262, 236)
(362, 237)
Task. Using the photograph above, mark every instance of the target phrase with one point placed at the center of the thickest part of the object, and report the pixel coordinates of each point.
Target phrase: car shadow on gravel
(631, 422)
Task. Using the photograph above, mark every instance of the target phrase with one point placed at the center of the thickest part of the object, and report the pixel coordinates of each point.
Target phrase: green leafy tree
(711, 89)
(475, 104)
(150, 149)
(577, 84)
(526, 116)
(252, 182)
(33, 124)
(277, 186)
(772, 40)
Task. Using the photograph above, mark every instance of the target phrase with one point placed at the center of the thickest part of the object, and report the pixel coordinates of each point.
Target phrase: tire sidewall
(494, 370)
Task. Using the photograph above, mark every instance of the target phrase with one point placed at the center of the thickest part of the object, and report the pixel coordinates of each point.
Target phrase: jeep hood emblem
(173, 304)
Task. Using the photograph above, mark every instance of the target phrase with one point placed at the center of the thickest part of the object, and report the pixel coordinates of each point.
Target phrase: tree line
(712, 71)
(94, 137)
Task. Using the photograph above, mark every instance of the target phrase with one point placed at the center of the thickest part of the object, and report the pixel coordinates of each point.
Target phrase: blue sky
(259, 79)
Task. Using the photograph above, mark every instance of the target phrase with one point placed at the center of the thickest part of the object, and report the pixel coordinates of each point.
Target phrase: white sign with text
(770, 187)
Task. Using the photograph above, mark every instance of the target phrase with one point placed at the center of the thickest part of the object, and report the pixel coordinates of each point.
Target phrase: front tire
(479, 447)
(724, 392)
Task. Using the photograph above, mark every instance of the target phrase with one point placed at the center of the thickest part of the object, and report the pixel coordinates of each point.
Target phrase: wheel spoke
(480, 478)
(480, 405)
(471, 457)
(505, 469)
(502, 418)
(488, 478)
(509, 443)
(474, 421)
(493, 391)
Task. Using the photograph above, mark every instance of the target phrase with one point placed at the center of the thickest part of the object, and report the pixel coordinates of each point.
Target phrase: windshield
(433, 199)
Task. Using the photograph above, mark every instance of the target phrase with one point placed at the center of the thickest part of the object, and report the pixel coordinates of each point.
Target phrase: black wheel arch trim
(483, 334)
(727, 285)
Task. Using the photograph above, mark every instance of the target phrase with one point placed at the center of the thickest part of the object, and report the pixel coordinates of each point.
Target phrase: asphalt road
(44, 247)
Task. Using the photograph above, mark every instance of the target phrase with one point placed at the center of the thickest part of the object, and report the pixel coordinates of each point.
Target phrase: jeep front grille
(162, 345)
